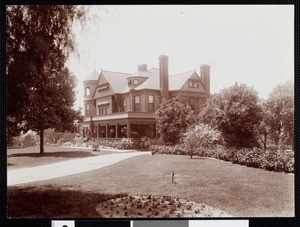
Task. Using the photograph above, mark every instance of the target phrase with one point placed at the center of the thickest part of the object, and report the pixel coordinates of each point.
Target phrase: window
(193, 84)
(87, 91)
(103, 109)
(137, 103)
(150, 103)
(124, 104)
(87, 110)
(104, 86)
(135, 81)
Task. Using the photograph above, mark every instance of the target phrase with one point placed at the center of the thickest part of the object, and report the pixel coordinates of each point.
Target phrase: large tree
(40, 90)
(235, 112)
(173, 118)
(279, 114)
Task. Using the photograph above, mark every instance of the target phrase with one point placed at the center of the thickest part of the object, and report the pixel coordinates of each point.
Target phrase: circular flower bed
(156, 207)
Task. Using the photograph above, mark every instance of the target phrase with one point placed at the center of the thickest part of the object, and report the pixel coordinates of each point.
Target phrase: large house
(118, 105)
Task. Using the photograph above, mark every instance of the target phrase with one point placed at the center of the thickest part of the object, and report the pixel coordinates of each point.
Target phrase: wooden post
(173, 174)
(106, 131)
(116, 130)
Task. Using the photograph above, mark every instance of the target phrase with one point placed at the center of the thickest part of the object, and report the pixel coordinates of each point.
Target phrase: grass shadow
(51, 202)
(63, 154)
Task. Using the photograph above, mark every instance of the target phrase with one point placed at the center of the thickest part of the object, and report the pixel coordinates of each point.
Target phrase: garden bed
(157, 207)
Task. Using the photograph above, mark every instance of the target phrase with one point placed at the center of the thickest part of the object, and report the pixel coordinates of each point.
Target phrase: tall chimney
(205, 77)
(164, 76)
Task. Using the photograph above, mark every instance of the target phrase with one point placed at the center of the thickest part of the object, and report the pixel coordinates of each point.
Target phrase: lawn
(30, 156)
(238, 190)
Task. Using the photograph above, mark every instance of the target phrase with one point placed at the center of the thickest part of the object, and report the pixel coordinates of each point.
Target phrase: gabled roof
(117, 80)
(178, 80)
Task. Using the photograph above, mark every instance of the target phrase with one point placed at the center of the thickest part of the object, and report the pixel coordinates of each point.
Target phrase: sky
(252, 44)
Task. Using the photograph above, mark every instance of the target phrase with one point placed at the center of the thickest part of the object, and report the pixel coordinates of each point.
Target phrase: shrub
(178, 149)
(201, 135)
(125, 143)
(273, 160)
(28, 139)
(57, 138)
(144, 143)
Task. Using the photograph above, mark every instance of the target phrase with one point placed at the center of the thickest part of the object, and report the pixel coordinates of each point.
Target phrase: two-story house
(118, 105)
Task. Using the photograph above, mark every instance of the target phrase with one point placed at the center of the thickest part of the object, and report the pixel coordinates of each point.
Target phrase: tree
(173, 118)
(235, 112)
(40, 90)
(279, 114)
(201, 135)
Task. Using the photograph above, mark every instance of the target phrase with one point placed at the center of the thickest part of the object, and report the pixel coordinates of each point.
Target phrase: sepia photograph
(150, 111)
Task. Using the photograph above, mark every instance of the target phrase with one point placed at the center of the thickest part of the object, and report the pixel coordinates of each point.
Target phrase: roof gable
(117, 81)
(196, 78)
(177, 81)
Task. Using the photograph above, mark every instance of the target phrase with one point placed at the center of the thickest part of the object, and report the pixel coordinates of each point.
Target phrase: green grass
(238, 190)
(30, 156)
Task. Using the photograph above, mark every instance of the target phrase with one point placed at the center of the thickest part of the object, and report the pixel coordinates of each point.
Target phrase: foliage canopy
(173, 118)
(235, 112)
(40, 90)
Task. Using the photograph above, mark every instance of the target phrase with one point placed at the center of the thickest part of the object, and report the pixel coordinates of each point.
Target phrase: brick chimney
(205, 77)
(142, 67)
(164, 76)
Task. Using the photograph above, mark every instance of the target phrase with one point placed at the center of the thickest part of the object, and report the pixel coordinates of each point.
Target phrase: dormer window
(103, 86)
(193, 83)
(135, 81)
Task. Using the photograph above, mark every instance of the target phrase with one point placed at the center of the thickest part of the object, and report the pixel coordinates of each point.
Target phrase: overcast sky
(244, 44)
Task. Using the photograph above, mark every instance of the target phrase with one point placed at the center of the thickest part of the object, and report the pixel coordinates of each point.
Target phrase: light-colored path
(65, 168)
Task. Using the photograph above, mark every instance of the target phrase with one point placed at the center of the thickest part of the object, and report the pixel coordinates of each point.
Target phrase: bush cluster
(124, 143)
(52, 137)
(273, 160)
(178, 149)
(28, 139)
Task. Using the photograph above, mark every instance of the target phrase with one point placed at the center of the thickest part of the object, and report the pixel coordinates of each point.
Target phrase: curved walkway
(65, 168)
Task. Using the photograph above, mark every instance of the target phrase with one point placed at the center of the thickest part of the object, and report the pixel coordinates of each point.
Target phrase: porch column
(98, 129)
(106, 130)
(128, 130)
(117, 134)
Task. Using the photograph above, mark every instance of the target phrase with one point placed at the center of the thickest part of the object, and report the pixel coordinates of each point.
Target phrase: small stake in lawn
(173, 174)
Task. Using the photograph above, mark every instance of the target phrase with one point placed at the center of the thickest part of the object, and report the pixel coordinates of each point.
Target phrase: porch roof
(124, 116)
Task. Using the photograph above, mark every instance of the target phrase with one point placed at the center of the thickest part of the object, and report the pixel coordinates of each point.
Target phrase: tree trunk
(42, 142)
(265, 141)
(191, 152)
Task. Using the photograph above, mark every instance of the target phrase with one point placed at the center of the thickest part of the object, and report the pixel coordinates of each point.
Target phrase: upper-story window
(137, 103)
(104, 86)
(87, 91)
(124, 104)
(193, 84)
(87, 110)
(150, 103)
(103, 108)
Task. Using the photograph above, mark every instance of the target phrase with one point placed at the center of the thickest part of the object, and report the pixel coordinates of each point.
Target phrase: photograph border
(272, 221)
